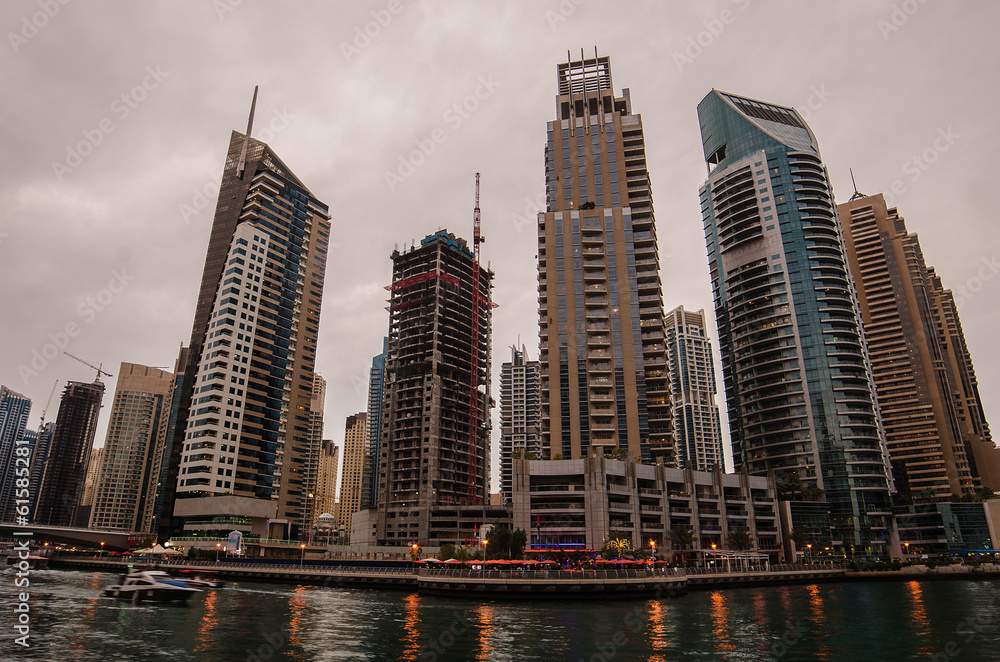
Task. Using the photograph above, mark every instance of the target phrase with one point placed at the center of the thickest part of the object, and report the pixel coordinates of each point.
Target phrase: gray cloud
(350, 119)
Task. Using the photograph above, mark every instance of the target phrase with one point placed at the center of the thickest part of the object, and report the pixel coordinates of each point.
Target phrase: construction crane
(477, 300)
(41, 423)
(91, 365)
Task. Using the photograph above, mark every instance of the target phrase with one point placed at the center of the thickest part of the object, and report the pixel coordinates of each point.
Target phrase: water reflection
(918, 615)
(209, 621)
(655, 613)
(817, 614)
(411, 616)
(298, 606)
(484, 619)
(720, 621)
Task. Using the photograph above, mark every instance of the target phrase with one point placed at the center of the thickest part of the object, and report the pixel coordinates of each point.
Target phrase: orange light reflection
(484, 618)
(720, 622)
(297, 604)
(411, 614)
(918, 614)
(657, 630)
(209, 620)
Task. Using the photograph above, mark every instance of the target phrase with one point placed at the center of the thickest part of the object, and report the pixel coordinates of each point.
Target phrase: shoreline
(602, 584)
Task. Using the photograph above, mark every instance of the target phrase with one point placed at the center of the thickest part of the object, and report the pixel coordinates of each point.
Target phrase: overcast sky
(116, 116)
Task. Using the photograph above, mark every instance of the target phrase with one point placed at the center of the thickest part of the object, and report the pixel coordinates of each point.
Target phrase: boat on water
(150, 585)
(200, 579)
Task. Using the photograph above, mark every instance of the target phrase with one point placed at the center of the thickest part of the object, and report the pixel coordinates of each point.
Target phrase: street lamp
(102, 548)
(809, 549)
(302, 558)
(414, 552)
(218, 546)
(486, 549)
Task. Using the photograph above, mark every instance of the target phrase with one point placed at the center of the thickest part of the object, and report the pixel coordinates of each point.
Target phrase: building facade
(14, 411)
(244, 411)
(69, 455)
(434, 452)
(376, 381)
(314, 449)
(326, 484)
(520, 415)
(604, 380)
(41, 442)
(920, 385)
(582, 504)
(697, 430)
(797, 378)
(355, 436)
(124, 492)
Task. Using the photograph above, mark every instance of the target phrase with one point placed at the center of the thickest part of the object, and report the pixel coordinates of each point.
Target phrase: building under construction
(434, 456)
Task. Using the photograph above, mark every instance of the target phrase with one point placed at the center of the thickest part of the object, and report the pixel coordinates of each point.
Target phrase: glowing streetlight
(102, 548)
(302, 558)
(218, 546)
(809, 550)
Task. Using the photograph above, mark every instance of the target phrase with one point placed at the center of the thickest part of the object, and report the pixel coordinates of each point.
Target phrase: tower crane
(41, 423)
(91, 365)
(474, 403)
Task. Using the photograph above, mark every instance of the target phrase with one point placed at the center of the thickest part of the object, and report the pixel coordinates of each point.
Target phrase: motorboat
(34, 561)
(150, 585)
(200, 579)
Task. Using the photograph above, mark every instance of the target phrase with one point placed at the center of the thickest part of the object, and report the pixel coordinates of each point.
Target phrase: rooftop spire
(241, 166)
(856, 193)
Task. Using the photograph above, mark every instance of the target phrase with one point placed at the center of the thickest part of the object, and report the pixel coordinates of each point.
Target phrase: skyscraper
(93, 477)
(933, 426)
(247, 388)
(355, 435)
(797, 378)
(14, 410)
(429, 455)
(604, 374)
(310, 475)
(125, 491)
(69, 454)
(376, 381)
(41, 442)
(520, 415)
(697, 429)
(326, 483)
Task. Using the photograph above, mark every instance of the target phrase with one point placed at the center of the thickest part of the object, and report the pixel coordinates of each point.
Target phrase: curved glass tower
(797, 377)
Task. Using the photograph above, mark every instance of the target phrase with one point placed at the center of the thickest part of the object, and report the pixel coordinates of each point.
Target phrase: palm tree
(683, 537)
(740, 539)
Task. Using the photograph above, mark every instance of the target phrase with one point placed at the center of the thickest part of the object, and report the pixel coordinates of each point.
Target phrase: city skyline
(78, 245)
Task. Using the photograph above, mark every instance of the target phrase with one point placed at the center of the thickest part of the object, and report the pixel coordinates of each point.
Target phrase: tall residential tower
(243, 421)
(692, 375)
(935, 428)
(797, 378)
(520, 415)
(604, 381)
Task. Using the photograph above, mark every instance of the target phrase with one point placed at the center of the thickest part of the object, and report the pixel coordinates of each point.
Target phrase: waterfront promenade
(515, 583)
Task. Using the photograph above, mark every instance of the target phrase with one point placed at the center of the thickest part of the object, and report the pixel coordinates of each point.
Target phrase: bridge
(117, 541)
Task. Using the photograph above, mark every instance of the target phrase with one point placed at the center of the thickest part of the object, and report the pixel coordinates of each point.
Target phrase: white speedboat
(150, 585)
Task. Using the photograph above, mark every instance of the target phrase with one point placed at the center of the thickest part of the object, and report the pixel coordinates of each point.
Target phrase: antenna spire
(241, 166)
(856, 193)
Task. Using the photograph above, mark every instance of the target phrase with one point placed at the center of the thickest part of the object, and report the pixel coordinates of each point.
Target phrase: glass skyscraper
(797, 378)
(604, 382)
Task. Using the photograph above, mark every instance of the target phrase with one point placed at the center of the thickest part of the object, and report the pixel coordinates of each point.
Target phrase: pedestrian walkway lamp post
(218, 547)
(809, 550)
(302, 557)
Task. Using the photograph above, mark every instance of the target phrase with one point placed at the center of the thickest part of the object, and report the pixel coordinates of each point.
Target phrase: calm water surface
(940, 620)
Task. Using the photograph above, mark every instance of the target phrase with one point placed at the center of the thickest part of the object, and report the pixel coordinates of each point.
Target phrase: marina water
(896, 620)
